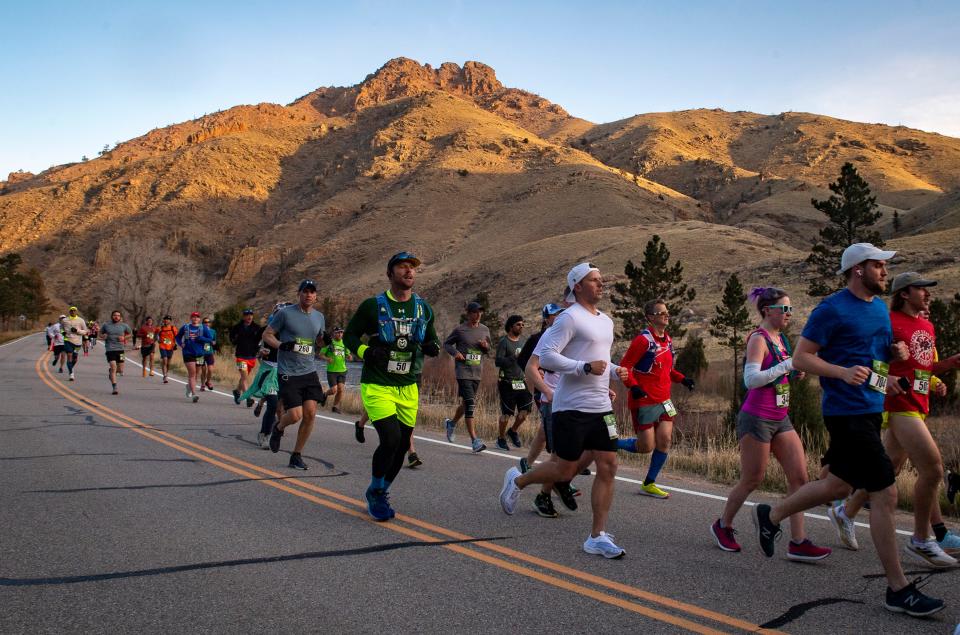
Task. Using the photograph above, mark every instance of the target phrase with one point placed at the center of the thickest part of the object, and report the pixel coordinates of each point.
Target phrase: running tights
(394, 442)
(269, 414)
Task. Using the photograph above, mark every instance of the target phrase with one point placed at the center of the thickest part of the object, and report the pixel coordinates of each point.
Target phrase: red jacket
(656, 382)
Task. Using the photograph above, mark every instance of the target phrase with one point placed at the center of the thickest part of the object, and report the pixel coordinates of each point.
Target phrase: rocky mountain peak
(401, 77)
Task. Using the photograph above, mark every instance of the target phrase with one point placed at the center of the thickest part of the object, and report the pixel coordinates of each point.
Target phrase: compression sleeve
(754, 378)
(554, 340)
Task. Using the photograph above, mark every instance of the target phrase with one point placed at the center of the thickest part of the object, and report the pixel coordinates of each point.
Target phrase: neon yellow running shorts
(913, 414)
(381, 402)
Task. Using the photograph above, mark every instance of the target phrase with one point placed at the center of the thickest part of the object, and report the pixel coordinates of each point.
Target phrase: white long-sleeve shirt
(577, 337)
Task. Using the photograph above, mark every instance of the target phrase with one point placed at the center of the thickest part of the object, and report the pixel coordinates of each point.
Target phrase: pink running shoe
(806, 551)
(724, 537)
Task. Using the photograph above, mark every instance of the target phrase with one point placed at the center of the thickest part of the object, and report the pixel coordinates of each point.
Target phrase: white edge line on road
(18, 339)
(512, 457)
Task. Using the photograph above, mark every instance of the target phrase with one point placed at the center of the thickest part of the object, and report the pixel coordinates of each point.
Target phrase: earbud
(860, 272)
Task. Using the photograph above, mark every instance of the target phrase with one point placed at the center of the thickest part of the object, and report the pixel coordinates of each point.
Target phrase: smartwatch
(587, 368)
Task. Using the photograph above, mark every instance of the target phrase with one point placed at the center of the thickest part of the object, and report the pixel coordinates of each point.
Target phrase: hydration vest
(387, 327)
(777, 357)
(645, 363)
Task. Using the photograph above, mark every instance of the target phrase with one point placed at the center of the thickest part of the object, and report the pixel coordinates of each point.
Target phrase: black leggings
(394, 442)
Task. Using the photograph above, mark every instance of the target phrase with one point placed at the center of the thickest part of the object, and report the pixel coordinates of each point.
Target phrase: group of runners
(877, 368)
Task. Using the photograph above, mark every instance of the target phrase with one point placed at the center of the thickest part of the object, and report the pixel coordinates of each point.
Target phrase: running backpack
(387, 327)
(645, 363)
(784, 345)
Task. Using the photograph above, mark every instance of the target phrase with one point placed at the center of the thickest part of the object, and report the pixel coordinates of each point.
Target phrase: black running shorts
(856, 454)
(336, 378)
(513, 399)
(146, 351)
(293, 390)
(115, 356)
(574, 432)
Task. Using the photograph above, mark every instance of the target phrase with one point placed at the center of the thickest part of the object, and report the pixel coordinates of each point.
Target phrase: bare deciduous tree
(153, 281)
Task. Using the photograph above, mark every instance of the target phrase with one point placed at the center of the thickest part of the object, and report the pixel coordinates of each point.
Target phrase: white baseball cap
(858, 252)
(577, 274)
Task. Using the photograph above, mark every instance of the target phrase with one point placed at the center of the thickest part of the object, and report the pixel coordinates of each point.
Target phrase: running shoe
(262, 439)
(450, 425)
(413, 460)
(358, 432)
(236, 396)
(378, 505)
(930, 553)
(336, 409)
(296, 461)
(209, 386)
(524, 465)
(806, 551)
(115, 392)
(187, 391)
(510, 492)
(950, 544)
(544, 506)
(60, 371)
(250, 403)
(478, 446)
(275, 435)
(151, 373)
(566, 494)
(911, 601)
(651, 489)
(195, 398)
(514, 438)
(724, 536)
(502, 444)
(846, 531)
(767, 533)
(203, 388)
(603, 545)
(166, 381)
(72, 376)
(953, 486)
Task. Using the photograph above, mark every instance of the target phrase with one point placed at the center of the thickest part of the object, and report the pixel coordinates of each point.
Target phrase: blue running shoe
(377, 505)
(451, 426)
(950, 544)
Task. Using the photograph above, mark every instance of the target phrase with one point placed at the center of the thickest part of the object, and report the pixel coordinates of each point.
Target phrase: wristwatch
(587, 369)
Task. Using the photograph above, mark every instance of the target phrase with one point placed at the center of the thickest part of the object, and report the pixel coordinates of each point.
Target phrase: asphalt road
(143, 512)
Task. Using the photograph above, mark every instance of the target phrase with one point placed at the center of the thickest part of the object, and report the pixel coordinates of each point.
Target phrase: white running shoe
(930, 553)
(262, 439)
(510, 492)
(72, 376)
(603, 545)
(846, 531)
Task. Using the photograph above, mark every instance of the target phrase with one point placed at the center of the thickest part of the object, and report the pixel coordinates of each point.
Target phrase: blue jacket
(192, 338)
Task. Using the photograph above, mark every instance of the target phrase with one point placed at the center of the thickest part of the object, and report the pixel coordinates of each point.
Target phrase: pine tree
(896, 222)
(653, 279)
(851, 212)
(490, 318)
(730, 325)
(692, 358)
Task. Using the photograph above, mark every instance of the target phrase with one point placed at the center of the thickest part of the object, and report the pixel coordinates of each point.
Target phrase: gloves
(431, 349)
(689, 383)
(376, 354)
(286, 346)
(637, 392)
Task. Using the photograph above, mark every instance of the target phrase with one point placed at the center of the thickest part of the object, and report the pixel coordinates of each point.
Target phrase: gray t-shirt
(113, 333)
(293, 325)
(507, 352)
(465, 339)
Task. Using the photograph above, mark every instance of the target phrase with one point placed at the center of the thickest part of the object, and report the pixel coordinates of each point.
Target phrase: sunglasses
(784, 308)
(659, 313)
(206, 321)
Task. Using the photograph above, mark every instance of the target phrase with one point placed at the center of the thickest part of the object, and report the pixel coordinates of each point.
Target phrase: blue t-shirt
(293, 325)
(850, 332)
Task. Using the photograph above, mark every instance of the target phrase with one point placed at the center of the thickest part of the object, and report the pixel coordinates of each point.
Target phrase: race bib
(782, 392)
(303, 346)
(669, 408)
(241, 366)
(208, 348)
(473, 357)
(200, 361)
(122, 358)
(167, 341)
(611, 423)
(518, 384)
(400, 363)
(878, 376)
(921, 382)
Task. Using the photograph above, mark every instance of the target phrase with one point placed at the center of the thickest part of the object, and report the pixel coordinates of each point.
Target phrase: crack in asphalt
(797, 610)
(198, 566)
(175, 485)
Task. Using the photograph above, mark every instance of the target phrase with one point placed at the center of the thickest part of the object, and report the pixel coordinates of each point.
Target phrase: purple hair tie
(756, 293)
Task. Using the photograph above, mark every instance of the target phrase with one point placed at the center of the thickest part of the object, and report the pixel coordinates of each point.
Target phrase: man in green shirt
(399, 327)
(336, 355)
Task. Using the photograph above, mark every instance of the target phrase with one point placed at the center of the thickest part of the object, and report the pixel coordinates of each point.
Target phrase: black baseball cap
(249, 311)
(305, 284)
(474, 306)
(403, 256)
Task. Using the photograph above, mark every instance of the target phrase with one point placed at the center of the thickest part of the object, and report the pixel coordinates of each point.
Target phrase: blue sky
(78, 75)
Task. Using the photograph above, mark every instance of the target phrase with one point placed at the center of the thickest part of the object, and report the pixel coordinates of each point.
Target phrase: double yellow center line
(518, 562)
